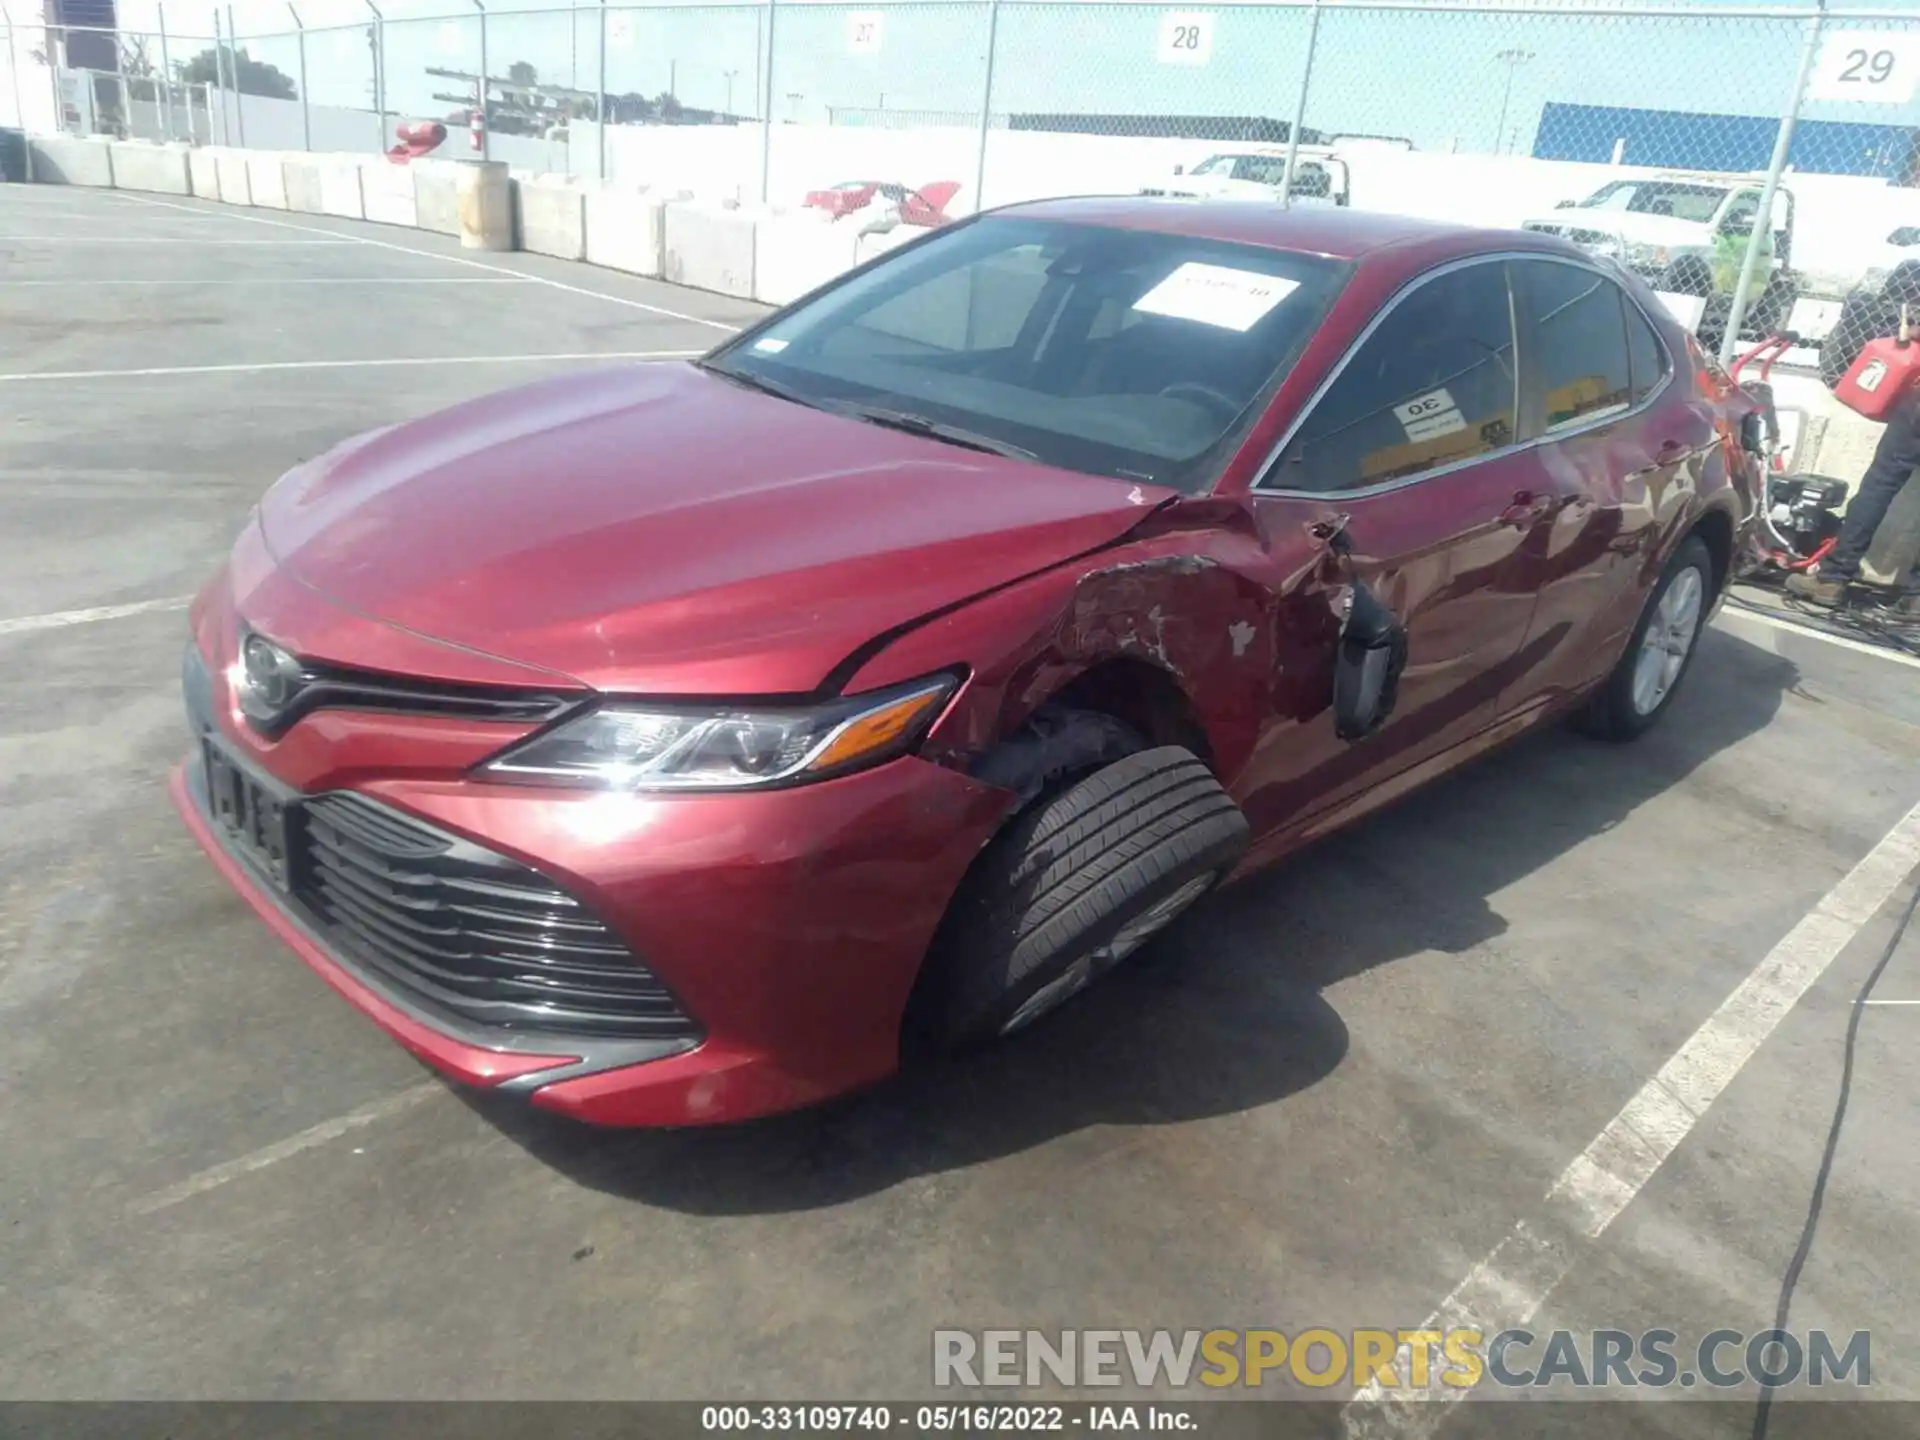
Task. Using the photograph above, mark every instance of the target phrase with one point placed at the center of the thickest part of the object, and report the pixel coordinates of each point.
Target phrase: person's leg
(1894, 461)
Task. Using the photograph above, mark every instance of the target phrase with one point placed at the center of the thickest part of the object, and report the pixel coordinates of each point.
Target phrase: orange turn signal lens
(882, 728)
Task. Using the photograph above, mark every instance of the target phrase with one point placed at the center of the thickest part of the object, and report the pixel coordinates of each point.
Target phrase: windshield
(1698, 203)
(1127, 353)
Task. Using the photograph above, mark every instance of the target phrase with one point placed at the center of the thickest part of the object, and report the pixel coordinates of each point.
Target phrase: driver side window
(1434, 384)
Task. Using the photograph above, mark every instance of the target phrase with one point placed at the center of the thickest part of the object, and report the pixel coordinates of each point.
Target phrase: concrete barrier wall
(709, 248)
(236, 187)
(340, 187)
(624, 229)
(436, 207)
(203, 173)
(267, 179)
(793, 254)
(157, 169)
(386, 193)
(551, 218)
(69, 160)
(302, 178)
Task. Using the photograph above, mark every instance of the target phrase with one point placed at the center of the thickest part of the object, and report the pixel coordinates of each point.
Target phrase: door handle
(1526, 508)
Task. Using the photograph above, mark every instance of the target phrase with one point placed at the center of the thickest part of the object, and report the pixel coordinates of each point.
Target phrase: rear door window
(1433, 385)
(1576, 330)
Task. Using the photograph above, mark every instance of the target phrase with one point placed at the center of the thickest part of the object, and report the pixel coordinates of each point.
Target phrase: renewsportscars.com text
(1459, 1359)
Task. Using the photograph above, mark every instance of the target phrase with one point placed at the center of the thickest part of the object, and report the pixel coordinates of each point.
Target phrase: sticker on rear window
(1429, 416)
(1216, 295)
(769, 347)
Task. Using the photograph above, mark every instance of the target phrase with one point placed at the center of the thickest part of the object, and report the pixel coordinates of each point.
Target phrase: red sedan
(925, 207)
(685, 742)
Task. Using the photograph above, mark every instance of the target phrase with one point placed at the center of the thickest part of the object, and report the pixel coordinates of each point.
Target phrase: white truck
(1257, 172)
(1670, 227)
(1684, 232)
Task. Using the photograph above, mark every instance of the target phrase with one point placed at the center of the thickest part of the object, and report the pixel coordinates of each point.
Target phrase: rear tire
(1660, 652)
(1070, 888)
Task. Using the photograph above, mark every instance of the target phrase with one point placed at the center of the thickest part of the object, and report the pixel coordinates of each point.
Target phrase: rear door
(1613, 454)
(1414, 440)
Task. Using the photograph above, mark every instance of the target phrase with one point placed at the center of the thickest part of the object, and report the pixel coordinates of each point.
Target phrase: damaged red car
(683, 742)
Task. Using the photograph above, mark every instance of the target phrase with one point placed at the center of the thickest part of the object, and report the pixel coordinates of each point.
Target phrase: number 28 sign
(1875, 67)
(1186, 38)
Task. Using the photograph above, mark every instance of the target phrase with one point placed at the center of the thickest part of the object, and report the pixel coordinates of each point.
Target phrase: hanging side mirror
(1366, 673)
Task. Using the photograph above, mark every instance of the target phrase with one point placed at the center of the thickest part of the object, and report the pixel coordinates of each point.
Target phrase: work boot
(1816, 591)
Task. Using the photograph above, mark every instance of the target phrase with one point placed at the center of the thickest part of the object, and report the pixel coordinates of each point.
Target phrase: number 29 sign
(1186, 38)
(1868, 66)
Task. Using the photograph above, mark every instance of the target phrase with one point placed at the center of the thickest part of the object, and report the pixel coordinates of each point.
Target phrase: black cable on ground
(1885, 629)
(1764, 1413)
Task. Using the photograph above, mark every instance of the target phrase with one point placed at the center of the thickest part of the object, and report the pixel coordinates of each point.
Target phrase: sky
(1439, 79)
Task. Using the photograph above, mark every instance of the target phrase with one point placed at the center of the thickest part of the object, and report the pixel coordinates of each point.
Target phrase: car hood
(1631, 225)
(655, 529)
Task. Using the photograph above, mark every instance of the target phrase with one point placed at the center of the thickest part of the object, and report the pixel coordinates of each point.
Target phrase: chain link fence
(1760, 161)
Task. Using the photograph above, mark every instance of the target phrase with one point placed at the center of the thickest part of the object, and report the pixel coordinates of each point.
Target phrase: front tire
(1072, 887)
(1660, 652)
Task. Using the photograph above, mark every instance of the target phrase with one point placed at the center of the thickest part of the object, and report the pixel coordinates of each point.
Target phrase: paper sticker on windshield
(1429, 416)
(1216, 295)
(769, 347)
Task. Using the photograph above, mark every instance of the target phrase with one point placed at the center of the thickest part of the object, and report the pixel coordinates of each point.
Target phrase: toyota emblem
(270, 679)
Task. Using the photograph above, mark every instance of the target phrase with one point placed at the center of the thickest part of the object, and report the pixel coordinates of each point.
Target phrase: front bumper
(789, 926)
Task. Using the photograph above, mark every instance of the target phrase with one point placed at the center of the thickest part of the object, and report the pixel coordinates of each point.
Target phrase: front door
(1412, 447)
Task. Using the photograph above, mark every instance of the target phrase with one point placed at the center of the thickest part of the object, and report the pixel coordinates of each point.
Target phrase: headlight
(1650, 256)
(670, 747)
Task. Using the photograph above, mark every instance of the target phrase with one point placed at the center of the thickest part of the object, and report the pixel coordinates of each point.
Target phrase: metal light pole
(1514, 58)
(766, 112)
(239, 95)
(986, 108)
(486, 120)
(13, 75)
(379, 69)
(1763, 220)
(1300, 108)
(600, 86)
(166, 76)
(729, 74)
(220, 75)
(306, 106)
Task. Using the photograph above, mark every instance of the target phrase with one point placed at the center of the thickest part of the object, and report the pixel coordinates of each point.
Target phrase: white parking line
(449, 259)
(25, 623)
(1509, 1286)
(294, 280)
(1859, 647)
(159, 240)
(347, 364)
(320, 1134)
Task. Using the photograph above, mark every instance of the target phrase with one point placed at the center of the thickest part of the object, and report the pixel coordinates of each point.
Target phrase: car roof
(1339, 233)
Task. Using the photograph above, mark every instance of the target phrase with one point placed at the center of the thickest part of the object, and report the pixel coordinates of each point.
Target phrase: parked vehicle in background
(925, 207)
(1871, 310)
(1257, 172)
(886, 676)
(1686, 233)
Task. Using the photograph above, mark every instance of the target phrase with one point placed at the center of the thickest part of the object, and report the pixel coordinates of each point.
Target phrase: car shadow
(1224, 1013)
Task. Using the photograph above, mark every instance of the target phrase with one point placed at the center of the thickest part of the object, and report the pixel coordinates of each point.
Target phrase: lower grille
(469, 931)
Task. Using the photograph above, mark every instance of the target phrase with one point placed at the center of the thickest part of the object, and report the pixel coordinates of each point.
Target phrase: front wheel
(1661, 651)
(1071, 888)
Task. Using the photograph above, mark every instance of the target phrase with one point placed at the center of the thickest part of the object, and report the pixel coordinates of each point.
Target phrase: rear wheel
(1071, 888)
(1660, 652)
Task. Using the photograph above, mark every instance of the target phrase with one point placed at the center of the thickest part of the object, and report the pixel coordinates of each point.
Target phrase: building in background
(1686, 140)
(89, 31)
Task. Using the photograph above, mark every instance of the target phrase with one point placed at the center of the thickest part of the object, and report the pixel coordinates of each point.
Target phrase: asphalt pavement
(1329, 1099)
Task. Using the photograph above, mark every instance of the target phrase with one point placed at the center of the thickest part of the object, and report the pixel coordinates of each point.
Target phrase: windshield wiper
(764, 386)
(936, 430)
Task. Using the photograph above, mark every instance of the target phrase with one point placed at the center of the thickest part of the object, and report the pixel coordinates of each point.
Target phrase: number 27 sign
(1876, 67)
(1186, 38)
